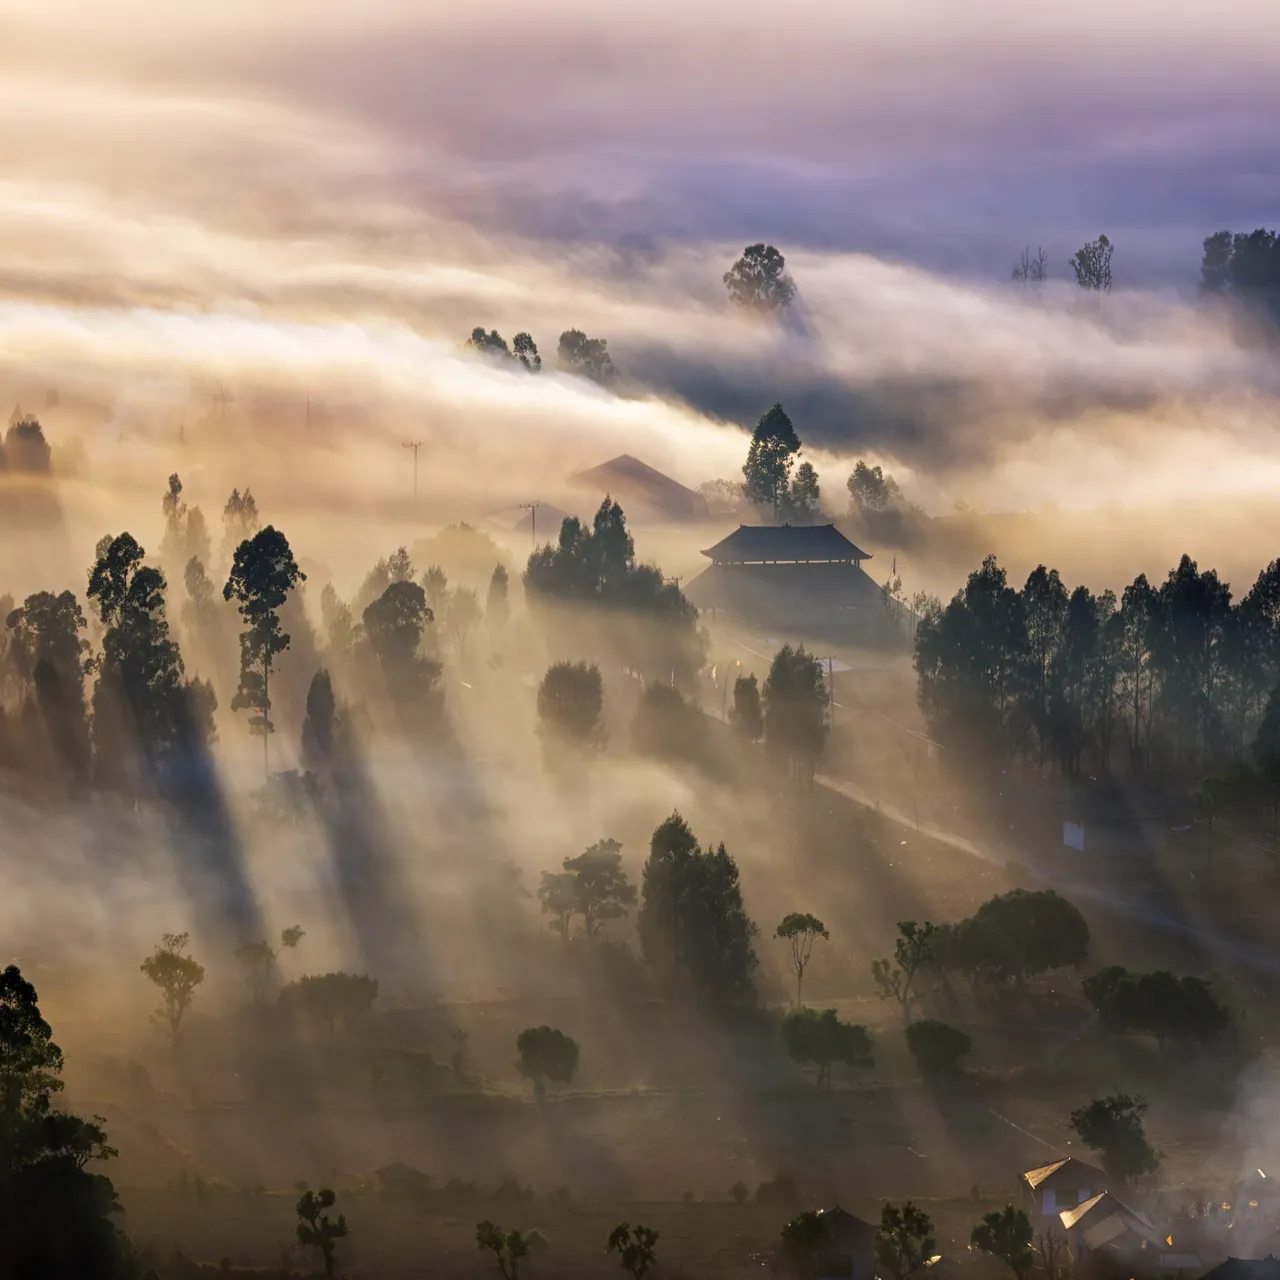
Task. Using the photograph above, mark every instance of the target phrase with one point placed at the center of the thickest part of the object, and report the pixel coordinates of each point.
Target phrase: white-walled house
(1064, 1184)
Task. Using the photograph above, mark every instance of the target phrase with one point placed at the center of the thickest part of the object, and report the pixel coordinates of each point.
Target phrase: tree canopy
(694, 929)
(546, 1053)
(758, 281)
(1092, 264)
(904, 1240)
(263, 572)
(767, 470)
(824, 1040)
(570, 706)
(1113, 1127)
(1006, 1234)
(1245, 266)
(625, 611)
(795, 712)
(1159, 1004)
(586, 357)
(801, 930)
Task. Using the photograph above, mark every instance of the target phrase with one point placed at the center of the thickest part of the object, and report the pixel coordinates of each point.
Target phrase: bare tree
(1052, 1247)
(1029, 269)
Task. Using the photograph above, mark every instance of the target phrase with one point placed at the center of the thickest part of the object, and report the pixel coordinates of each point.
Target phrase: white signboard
(1073, 835)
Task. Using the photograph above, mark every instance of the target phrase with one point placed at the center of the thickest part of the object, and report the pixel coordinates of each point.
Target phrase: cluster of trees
(790, 714)
(1176, 674)
(636, 1247)
(1244, 266)
(24, 448)
(1091, 265)
(768, 484)
(588, 585)
(1010, 938)
(576, 353)
(55, 1212)
(1160, 1004)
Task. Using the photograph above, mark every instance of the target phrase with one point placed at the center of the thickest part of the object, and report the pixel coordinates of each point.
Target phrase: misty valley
(604, 672)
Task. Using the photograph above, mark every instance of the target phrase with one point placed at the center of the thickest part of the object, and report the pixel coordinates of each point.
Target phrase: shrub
(936, 1046)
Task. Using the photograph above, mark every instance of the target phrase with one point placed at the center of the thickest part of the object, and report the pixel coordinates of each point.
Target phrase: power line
(532, 509)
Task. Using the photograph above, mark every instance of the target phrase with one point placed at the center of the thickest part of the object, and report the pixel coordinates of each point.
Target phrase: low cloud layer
(303, 210)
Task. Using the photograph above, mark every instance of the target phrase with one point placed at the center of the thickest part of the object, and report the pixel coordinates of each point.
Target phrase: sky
(315, 202)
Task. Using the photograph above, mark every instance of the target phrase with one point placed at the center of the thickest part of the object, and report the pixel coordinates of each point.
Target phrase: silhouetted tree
(143, 712)
(803, 1241)
(259, 959)
(871, 490)
(1160, 1004)
(666, 726)
(601, 887)
(1006, 1234)
(315, 1228)
(628, 611)
(461, 615)
(546, 1053)
(634, 1247)
(1019, 934)
(587, 357)
(497, 606)
(801, 930)
(795, 712)
(758, 280)
(177, 975)
(558, 897)
(490, 344)
(970, 659)
(570, 702)
(47, 651)
(507, 1247)
(747, 714)
(1031, 268)
(1113, 1127)
(805, 500)
(334, 998)
(1244, 265)
(821, 1038)
(239, 520)
(694, 930)
(936, 1046)
(913, 950)
(55, 1219)
(904, 1240)
(25, 448)
(767, 471)
(1092, 264)
(395, 627)
(263, 573)
(319, 728)
(525, 350)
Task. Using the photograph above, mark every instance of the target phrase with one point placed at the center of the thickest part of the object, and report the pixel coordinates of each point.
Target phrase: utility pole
(532, 509)
(415, 445)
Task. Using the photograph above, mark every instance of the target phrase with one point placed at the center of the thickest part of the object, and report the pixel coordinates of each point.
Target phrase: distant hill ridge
(636, 484)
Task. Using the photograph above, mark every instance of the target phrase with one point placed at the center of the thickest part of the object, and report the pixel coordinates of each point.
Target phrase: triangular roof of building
(1061, 1173)
(1093, 1213)
(786, 543)
(845, 1226)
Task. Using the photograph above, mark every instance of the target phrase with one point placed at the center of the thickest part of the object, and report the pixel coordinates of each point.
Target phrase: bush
(936, 1046)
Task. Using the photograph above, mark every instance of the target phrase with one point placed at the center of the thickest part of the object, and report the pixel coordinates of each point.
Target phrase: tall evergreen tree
(767, 471)
(694, 929)
(263, 572)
